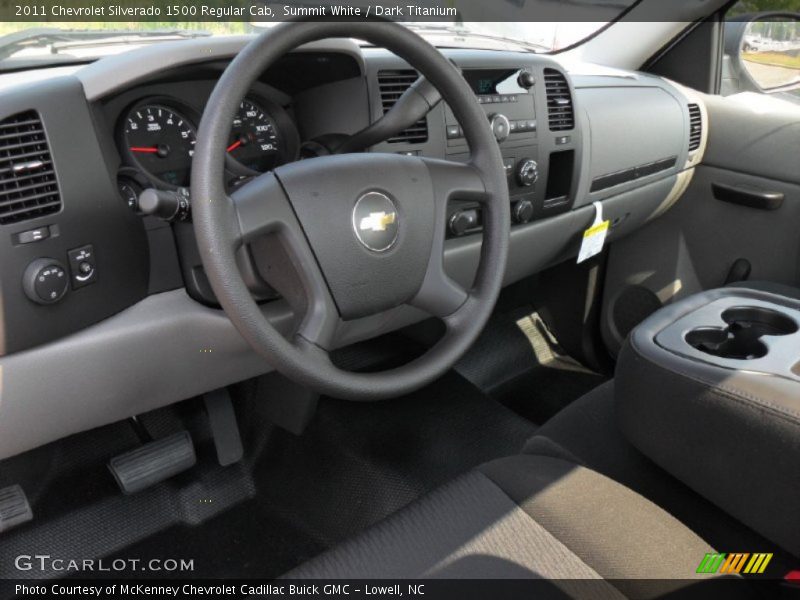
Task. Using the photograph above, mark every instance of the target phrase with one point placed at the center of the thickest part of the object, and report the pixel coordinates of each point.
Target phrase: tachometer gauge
(161, 141)
(254, 141)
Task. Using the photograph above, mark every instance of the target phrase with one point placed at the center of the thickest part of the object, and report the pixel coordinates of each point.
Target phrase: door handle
(744, 195)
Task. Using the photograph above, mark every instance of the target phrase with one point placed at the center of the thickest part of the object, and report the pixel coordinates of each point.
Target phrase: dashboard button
(453, 132)
(82, 266)
(33, 235)
(462, 221)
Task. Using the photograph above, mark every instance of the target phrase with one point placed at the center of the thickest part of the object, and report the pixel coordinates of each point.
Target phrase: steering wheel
(350, 235)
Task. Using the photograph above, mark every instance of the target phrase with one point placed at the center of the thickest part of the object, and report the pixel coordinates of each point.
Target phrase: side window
(762, 48)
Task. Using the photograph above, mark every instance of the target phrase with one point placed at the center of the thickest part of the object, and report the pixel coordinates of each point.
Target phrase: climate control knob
(45, 281)
(527, 172)
(501, 127)
(522, 211)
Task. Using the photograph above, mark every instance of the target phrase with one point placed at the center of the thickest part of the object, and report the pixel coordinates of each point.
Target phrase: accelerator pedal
(14, 508)
(224, 428)
(153, 463)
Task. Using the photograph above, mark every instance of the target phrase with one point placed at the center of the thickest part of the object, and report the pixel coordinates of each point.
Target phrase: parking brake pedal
(153, 463)
(14, 508)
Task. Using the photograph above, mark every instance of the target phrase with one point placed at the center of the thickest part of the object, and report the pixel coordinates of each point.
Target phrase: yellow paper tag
(596, 229)
(595, 236)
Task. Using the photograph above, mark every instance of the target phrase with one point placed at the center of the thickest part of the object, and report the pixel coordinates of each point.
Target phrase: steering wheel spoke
(261, 207)
(285, 260)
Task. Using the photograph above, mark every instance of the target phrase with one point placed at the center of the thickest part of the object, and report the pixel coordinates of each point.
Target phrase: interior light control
(82, 266)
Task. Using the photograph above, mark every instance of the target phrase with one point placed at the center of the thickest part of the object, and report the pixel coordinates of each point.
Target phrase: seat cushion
(525, 517)
(586, 433)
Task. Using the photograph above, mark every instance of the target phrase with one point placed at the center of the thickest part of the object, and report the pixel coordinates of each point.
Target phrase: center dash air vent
(695, 127)
(392, 84)
(28, 186)
(560, 112)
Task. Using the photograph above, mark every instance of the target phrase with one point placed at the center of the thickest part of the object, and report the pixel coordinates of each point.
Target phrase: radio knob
(500, 126)
(527, 172)
(526, 79)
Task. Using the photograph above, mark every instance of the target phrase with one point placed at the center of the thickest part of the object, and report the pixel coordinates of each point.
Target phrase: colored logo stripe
(710, 563)
(734, 563)
(758, 563)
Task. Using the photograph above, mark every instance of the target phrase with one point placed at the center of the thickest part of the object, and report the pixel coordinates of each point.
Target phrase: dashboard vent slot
(28, 186)
(560, 112)
(695, 127)
(392, 84)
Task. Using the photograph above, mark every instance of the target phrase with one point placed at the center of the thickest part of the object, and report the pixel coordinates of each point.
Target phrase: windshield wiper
(60, 39)
(463, 32)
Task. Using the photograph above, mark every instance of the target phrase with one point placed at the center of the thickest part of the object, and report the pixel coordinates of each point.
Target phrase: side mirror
(765, 52)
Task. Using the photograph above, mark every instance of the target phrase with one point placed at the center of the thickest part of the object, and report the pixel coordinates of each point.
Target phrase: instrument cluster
(157, 136)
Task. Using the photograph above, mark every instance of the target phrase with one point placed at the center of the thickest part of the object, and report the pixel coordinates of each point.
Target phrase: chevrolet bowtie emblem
(377, 221)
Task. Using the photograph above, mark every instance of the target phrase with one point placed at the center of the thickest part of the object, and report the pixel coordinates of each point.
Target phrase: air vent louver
(392, 84)
(560, 112)
(28, 186)
(695, 127)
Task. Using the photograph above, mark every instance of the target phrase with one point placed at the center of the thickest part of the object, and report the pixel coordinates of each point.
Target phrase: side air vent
(28, 187)
(392, 84)
(560, 112)
(695, 127)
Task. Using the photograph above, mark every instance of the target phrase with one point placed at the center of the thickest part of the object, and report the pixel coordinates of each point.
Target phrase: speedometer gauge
(161, 141)
(254, 141)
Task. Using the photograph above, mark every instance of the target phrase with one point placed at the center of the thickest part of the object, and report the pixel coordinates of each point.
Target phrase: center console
(530, 110)
(709, 389)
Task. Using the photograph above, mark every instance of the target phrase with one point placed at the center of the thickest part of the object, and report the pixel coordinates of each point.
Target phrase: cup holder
(741, 339)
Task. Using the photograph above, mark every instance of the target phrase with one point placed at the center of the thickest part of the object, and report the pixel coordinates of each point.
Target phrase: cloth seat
(527, 517)
(586, 433)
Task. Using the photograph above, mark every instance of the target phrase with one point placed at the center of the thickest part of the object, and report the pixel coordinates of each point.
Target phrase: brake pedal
(14, 508)
(153, 463)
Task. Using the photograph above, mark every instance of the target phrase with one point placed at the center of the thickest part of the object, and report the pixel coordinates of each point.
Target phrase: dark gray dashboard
(630, 132)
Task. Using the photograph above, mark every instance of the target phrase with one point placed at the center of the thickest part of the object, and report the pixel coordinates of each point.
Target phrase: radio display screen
(493, 81)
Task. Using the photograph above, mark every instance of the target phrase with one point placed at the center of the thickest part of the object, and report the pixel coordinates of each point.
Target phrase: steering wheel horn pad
(351, 235)
(342, 200)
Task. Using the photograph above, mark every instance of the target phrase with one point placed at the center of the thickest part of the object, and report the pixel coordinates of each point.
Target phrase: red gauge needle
(234, 145)
(151, 150)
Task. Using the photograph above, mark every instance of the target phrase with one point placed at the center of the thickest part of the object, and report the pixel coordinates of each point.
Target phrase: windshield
(36, 44)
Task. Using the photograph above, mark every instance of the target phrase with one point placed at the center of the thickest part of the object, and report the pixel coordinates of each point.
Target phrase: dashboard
(88, 277)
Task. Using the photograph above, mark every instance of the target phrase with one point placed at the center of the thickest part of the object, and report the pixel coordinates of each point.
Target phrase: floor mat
(293, 497)
(518, 362)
